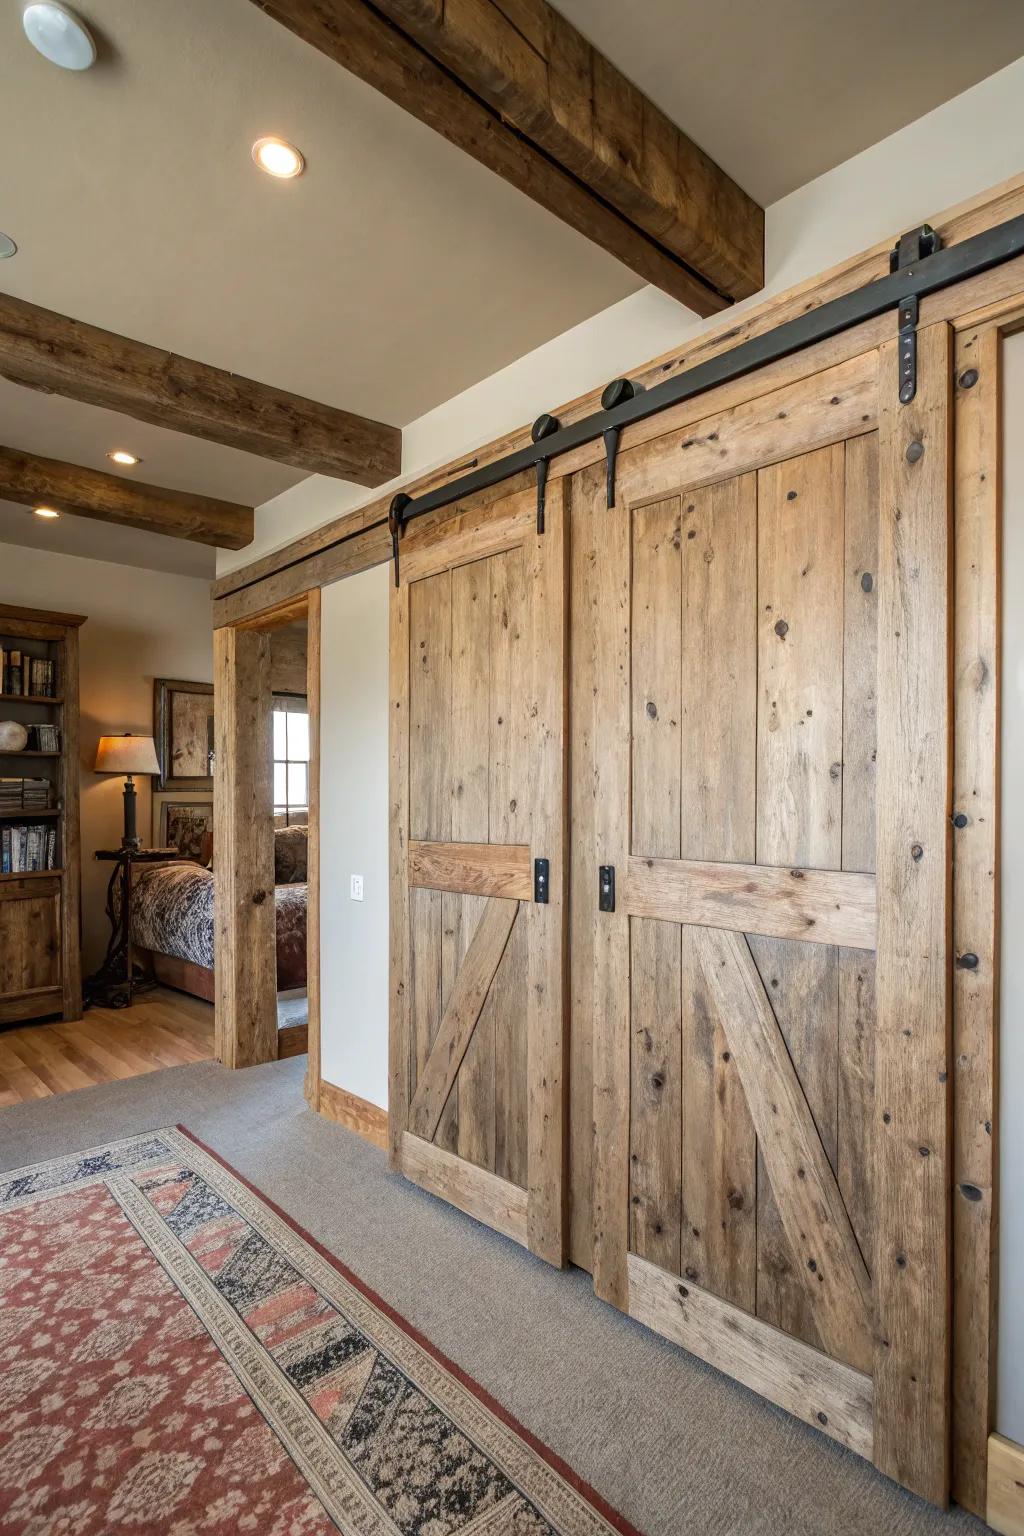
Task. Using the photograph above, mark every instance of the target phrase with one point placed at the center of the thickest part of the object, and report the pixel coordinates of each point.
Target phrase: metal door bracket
(396, 524)
(543, 427)
(615, 393)
(915, 246)
(606, 888)
(908, 312)
(540, 881)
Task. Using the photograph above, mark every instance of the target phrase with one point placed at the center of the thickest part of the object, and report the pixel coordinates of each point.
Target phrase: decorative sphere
(13, 736)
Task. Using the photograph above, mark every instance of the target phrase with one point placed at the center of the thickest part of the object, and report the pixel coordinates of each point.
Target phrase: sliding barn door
(761, 756)
(478, 889)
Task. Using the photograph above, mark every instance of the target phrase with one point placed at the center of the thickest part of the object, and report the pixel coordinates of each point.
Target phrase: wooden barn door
(761, 694)
(477, 880)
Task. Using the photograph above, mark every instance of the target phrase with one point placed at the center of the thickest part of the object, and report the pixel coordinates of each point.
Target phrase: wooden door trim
(977, 413)
(400, 996)
(245, 948)
(459, 1020)
(829, 1396)
(314, 1081)
(821, 906)
(476, 1191)
(472, 869)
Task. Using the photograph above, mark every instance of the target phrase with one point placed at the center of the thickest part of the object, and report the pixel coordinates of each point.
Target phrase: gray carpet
(675, 1446)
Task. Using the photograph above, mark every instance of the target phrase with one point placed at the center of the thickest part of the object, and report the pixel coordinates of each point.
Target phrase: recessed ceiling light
(7, 247)
(122, 456)
(278, 158)
(58, 34)
(48, 512)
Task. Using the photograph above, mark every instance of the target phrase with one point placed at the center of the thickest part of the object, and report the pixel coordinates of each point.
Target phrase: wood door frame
(245, 936)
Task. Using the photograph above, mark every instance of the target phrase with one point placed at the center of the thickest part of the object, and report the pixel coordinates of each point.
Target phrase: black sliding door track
(915, 277)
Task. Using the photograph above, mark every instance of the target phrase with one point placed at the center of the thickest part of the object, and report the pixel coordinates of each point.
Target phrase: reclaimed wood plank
(913, 1237)
(821, 906)
(800, 704)
(860, 652)
(976, 852)
(831, 1397)
(478, 869)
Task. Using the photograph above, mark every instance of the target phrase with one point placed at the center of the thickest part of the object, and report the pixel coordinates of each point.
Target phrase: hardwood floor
(163, 1029)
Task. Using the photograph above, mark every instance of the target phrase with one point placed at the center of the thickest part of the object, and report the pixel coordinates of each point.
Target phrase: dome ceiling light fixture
(278, 158)
(58, 34)
(7, 247)
(122, 456)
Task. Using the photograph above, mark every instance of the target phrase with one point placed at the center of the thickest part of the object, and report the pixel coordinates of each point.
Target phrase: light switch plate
(357, 887)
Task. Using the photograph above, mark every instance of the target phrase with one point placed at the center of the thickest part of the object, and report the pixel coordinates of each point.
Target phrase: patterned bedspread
(172, 913)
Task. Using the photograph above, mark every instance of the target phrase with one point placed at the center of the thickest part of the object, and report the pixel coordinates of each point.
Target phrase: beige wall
(141, 624)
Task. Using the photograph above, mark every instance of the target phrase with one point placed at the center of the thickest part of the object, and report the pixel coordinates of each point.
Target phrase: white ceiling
(396, 272)
(101, 541)
(779, 91)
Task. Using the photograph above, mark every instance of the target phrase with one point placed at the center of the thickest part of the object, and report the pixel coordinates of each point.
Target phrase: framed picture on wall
(183, 731)
(188, 826)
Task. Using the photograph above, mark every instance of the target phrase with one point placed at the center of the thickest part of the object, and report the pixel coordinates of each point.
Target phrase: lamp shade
(126, 754)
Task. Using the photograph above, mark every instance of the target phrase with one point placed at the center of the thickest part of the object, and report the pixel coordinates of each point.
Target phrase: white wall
(1010, 1416)
(141, 624)
(354, 833)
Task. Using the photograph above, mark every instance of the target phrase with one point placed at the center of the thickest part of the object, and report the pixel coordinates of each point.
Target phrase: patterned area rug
(177, 1357)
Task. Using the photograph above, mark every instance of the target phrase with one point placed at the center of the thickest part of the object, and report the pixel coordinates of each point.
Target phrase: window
(291, 761)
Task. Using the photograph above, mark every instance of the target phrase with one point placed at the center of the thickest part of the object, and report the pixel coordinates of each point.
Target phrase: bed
(172, 929)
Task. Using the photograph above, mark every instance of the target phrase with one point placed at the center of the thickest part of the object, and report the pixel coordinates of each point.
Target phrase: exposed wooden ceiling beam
(517, 87)
(34, 482)
(47, 351)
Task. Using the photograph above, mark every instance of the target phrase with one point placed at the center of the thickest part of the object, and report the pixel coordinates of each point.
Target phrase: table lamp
(127, 754)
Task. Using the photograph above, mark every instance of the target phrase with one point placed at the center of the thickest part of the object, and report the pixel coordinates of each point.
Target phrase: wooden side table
(118, 979)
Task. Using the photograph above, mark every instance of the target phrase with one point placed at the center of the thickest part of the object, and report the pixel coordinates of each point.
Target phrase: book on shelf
(26, 795)
(27, 849)
(43, 738)
(24, 674)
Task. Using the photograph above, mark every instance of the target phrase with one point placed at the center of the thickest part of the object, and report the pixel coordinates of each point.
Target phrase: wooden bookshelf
(40, 910)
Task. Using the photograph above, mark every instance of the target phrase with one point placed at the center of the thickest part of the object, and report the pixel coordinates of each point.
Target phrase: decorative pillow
(289, 855)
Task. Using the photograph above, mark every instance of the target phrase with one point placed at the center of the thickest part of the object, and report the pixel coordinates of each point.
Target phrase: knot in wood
(258, 898)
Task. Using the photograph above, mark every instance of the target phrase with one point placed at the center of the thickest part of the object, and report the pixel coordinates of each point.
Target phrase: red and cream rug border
(128, 1166)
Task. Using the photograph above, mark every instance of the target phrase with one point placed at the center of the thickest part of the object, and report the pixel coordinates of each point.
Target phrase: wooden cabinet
(30, 947)
(40, 908)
